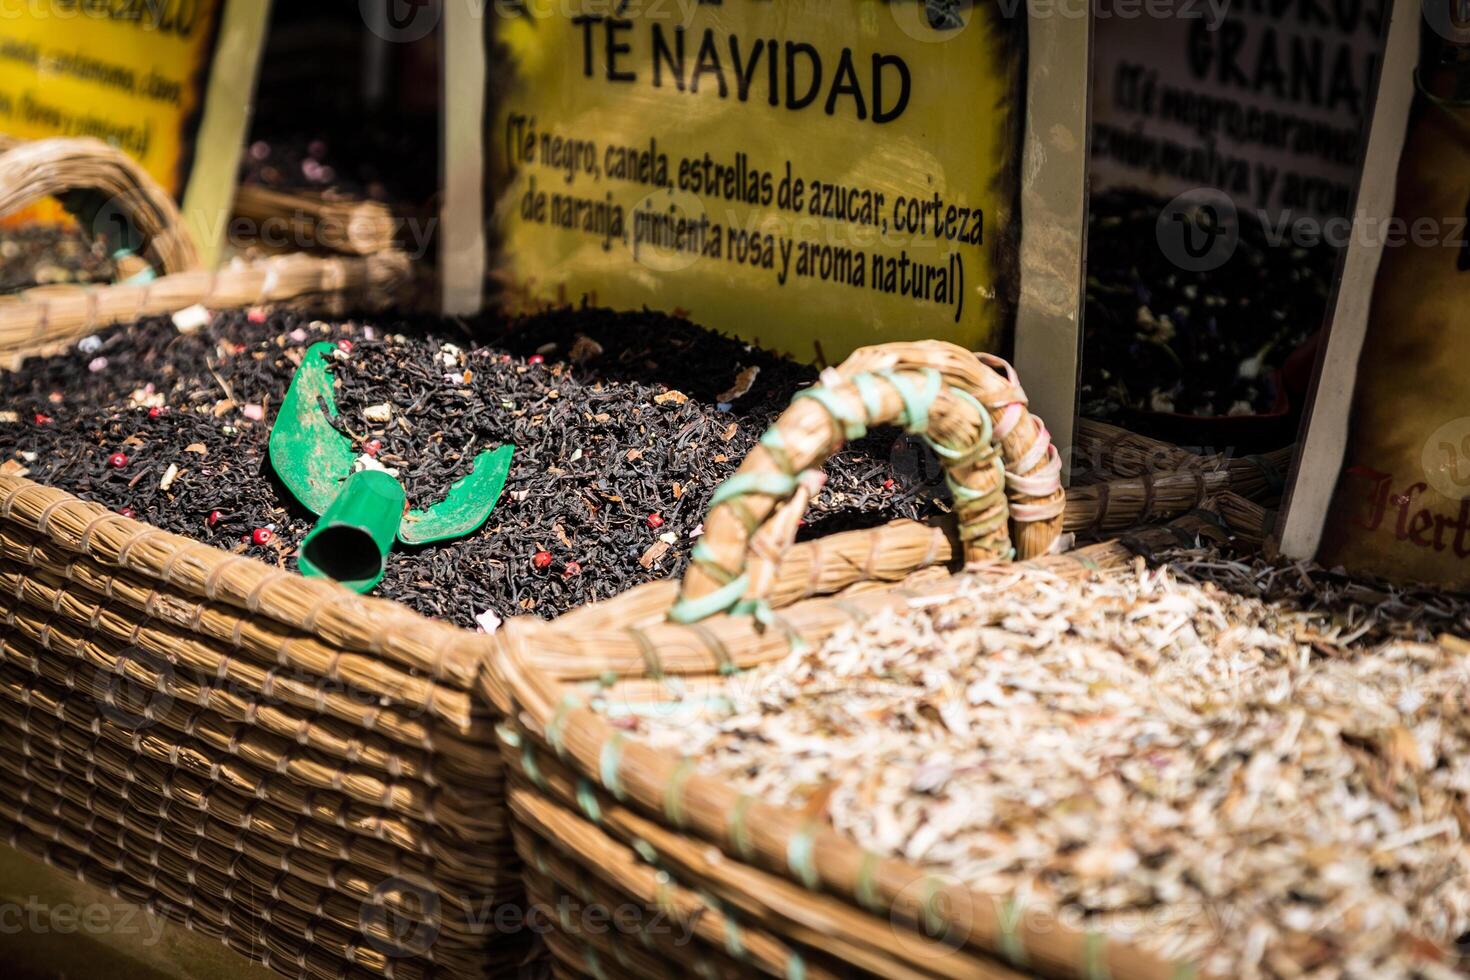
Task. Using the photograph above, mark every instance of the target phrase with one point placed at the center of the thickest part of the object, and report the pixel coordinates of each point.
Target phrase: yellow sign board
(141, 76)
(813, 176)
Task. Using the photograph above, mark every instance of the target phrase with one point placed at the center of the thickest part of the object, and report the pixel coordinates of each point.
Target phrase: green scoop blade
(467, 505)
(307, 453)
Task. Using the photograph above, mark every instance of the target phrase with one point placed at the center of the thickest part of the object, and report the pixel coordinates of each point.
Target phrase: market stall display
(565, 635)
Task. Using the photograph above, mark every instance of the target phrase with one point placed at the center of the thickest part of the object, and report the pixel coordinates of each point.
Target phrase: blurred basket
(118, 192)
(41, 319)
(313, 222)
(606, 819)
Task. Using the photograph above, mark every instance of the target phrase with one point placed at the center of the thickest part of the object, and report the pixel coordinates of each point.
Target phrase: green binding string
(760, 610)
(609, 760)
(723, 663)
(868, 391)
(661, 896)
(143, 275)
(674, 792)
(528, 763)
(738, 836)
(757, 609)
(916, 404)
(866, 891)
(569, 702)
(981, 447)
(799, 856)
(587, 800)
(853, 427)
(1011, 945)
(687, 611)
(967, 495)
(933, 920)
(775, 444)
(780, 485)
(734, 944)
(1094, 963)
(512, 739)
(645, 851)
(651, 659)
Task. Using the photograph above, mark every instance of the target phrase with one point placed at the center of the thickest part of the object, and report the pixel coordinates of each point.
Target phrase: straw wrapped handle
(1033, 465)
(754, 516)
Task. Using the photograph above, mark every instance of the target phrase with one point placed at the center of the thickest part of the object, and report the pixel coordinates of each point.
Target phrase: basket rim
(369, 625)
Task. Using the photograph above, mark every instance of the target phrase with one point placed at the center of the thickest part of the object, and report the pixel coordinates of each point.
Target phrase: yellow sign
(138, 74)
(812, 176)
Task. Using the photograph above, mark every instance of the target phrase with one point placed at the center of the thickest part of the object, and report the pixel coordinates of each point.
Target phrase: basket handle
(754, 515)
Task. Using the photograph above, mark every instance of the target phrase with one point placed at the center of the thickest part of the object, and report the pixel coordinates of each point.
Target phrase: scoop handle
(350, 543)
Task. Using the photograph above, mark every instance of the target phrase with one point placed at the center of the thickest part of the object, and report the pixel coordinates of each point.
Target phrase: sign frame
(1052, 190)
(1325, 422)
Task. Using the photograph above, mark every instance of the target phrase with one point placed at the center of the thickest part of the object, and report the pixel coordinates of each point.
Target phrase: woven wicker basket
(310, 776)
(305, 773)
(310, 221)
(32, 170)
(41, 320)
(619, 890)
(705, 878)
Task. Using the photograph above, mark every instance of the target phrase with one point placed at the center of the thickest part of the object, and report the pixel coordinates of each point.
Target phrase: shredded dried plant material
(1359, 608)
(1208, 775)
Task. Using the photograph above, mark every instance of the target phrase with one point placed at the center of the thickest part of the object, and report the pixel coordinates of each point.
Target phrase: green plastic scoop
(362, 513)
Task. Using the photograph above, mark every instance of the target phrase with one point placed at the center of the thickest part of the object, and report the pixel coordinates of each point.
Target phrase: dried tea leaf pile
(624, 425)
(1160, 338)
(1198, 772)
